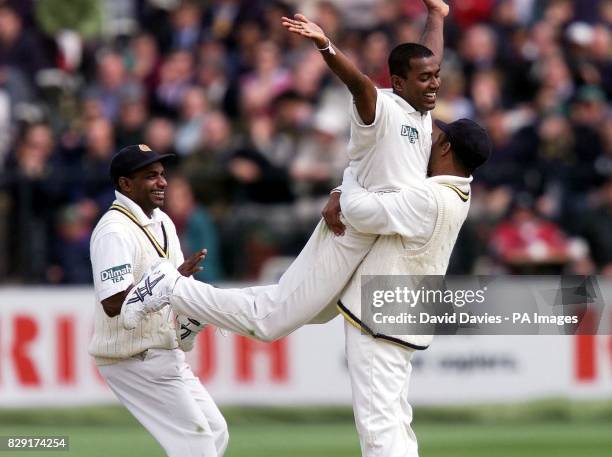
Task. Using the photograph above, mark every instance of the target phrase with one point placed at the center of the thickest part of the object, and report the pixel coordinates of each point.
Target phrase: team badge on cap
(144, 148)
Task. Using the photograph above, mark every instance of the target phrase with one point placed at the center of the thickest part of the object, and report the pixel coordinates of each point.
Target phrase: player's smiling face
(420, 85)
(147, 187)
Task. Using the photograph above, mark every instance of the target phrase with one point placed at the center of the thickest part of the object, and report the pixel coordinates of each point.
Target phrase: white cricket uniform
(419, 225)
(391, 153)
(144, 367)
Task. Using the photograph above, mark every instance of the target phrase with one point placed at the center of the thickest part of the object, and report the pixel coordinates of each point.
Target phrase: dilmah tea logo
(410, 132)
(116, 274)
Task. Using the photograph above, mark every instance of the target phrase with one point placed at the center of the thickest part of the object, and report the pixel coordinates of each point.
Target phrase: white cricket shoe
(187, 330)
(150, 294)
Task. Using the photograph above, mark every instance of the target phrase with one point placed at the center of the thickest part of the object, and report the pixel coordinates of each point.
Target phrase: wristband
(329, 48)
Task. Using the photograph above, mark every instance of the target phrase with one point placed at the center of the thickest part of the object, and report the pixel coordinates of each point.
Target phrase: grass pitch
(113, 432)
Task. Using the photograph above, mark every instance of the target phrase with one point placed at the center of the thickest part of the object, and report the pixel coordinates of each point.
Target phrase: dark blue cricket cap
(132, 158)
(469, 141)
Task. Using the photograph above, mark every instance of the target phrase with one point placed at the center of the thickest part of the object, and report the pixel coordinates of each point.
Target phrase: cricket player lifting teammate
(389, 151)
(146, 368)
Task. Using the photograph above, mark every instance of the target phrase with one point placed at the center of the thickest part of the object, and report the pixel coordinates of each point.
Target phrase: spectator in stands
(186, 25)
(308, 73)
(526, 243)
(375, 53)
(194, 108)
(144, 60)
(206, 166)
(596, 228)
(269, 79)
(553, 73)
(160, 135)
(478, 50)
(559, 12)
(603, 163)
(224, 18)
(329, 18)
(467, 14)
(599, 56)
(453, 103)
(213, 77)
(112, 84)
(321, 157)
(486, 92)
(511, 160)
(131, 123)
(15, 93)
(70, 262)
(259, 168)
(20, 48)
(94, 189)
(175, 78)
(587, 114)
(194, 226)
(34, 196)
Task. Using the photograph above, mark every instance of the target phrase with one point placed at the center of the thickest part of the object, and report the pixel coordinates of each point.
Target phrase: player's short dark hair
(399, 59)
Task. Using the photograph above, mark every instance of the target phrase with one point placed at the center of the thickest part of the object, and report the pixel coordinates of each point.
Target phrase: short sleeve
(380, 118)
(112, 258)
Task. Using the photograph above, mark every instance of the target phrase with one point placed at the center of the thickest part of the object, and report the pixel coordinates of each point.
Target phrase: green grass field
(112, 432)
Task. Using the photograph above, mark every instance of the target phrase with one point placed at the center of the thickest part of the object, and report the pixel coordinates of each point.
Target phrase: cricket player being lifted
(384, 192)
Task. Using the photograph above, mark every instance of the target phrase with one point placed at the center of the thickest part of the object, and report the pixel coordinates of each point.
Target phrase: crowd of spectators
(260, 126)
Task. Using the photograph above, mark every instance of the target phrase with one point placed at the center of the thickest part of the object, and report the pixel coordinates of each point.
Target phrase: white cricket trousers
(160, 390)
(380, 374)
(309, 289)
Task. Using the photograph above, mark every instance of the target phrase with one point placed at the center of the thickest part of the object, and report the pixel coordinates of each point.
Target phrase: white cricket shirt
(124, 244)
(393, 151)
(113, 253)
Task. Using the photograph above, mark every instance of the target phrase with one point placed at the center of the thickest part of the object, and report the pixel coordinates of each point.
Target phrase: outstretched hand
(190, 266)
(437, 6)
(306, 28)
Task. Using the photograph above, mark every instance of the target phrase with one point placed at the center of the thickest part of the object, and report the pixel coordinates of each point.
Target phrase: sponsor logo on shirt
(116, 274)
(410, 132)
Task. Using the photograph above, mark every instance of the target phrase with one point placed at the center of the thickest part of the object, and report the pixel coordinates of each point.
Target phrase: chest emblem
(410, 132)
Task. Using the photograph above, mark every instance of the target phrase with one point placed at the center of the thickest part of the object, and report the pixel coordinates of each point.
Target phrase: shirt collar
(137, 211)
(459, 181)
(400, 101)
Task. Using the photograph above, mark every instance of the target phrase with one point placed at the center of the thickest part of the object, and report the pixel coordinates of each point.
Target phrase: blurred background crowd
(260, 126)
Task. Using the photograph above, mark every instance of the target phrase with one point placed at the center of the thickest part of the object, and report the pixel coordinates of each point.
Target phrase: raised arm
(360, 86)
(433, 35)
